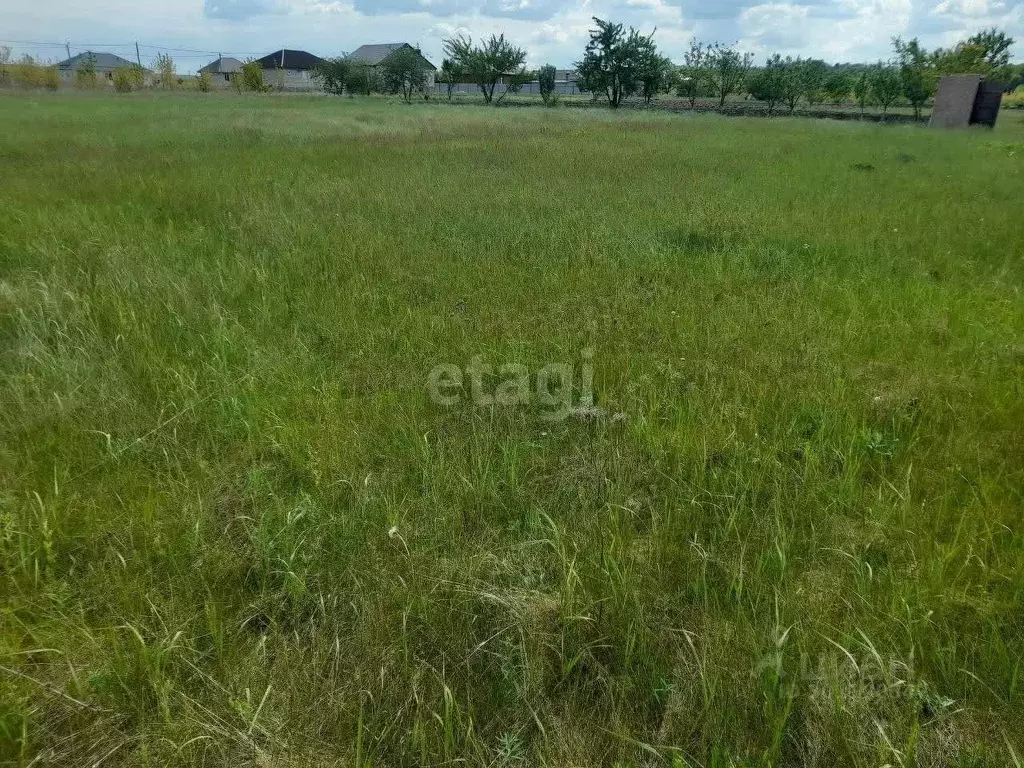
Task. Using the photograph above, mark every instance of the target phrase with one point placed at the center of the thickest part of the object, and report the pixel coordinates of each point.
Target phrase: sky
(552, 31)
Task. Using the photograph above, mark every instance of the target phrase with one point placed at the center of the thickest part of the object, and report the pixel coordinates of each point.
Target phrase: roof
(222, 65)
(375, 53)
(287, 58)
(104, 61)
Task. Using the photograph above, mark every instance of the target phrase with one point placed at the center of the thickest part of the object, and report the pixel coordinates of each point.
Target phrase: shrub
(127, 79)
(166, 77)
(51, 78)
(1014, 100)
(546, 78)
(28, 73)
(252, 77)
(204, 82)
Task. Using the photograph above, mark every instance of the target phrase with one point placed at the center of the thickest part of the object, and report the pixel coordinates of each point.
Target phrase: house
(375, 54)
(105, 65)
(290, 70)
(221, 70)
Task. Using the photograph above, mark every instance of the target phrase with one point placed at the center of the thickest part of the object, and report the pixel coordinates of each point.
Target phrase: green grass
(236, 531)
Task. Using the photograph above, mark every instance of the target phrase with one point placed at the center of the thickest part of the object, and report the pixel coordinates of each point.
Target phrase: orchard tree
(404, 72)
(916, 73)
(886, 86)
(487, 63)
(614, 61)
(812, 78)
(546, 76)
(862, 89)
(792, 86)
(451, 75)
(727, 70)
(653, 70)
(766, 84)
(694, 72)
(837, 87)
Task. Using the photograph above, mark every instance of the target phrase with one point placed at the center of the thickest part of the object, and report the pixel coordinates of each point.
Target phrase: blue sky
(551, 30)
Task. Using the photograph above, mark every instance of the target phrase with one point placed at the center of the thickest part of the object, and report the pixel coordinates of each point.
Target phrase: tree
(252, 77)
(5, 58)
(487, 63)
(164, 67)
(886, 86)
(837, 87)
(653, 70)
(613, 61)
(727, 70)
(546, 79)
(204, 82)
(85, 77)
(765, 84)
(916, 73)
(986, 53)
(364, 80)
(862, 90)
(693, 74)
(449, 74)
(792, 82)
(334, 74)
(812, 79)
(404, 72)
(515, 82)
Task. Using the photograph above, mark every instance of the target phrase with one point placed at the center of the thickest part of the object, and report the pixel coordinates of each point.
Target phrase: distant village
(287, 70)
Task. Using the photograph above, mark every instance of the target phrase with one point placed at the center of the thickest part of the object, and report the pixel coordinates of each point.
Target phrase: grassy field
(235, 530)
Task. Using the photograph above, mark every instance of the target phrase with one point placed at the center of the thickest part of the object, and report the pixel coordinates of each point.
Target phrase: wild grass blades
(235, 529)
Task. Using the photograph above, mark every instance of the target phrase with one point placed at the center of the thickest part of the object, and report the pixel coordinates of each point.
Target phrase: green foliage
(334, 74)
(615, 62)
(693, 74)
(837, 87)
(5, 60)
(654, 71)
(546, 80)
(364, 80)
(916, 73)
(85, 76)
(28, 73)
(128, 79)
(164, 72)
(862, 89)
(813, 73)
(487, 63)
(404, 72)
(767, 84)
(204, 82)
(451, 75)
(886, 85)
(727, 70)
(252, 77)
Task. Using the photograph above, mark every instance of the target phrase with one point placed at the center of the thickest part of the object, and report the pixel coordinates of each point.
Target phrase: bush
(252, 77)
(51, 78)
(204, 82)
(127, 79)
(166, 77)
(28, 73)
(1014, 100)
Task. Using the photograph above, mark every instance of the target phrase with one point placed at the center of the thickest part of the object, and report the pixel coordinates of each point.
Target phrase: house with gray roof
(105, 65)
(222, 70)
(375, 54)
(290, 70)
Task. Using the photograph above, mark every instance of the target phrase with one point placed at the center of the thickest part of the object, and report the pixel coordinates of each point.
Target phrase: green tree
(333, 74)
(653, 70)
(404, 72)
(252, 77)
(813, 73)
(886, 86)
(165, 71)
(613, 61)
(792, 82)
(837, 87)
(487, 63)
(765, 84)
(727, 70)
(546, 79)
(5, 58)
(916, 73)
(364, 80)
(862, 89)
(85, 77)
(451, 75)
(693, 75)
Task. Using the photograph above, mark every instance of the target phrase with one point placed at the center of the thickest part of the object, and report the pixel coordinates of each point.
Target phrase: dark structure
(965, 100)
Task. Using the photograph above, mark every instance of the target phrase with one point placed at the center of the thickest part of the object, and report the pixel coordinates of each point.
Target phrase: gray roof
(222, 65)
(376, 53)
(105, 62)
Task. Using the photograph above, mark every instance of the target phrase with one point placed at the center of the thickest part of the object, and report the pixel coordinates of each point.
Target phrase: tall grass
(235, 530)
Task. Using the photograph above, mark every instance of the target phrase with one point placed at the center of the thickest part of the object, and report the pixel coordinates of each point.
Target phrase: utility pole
(67, 47)
(138, 58)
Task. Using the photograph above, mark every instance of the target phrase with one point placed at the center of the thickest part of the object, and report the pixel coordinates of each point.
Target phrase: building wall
(291, 79)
